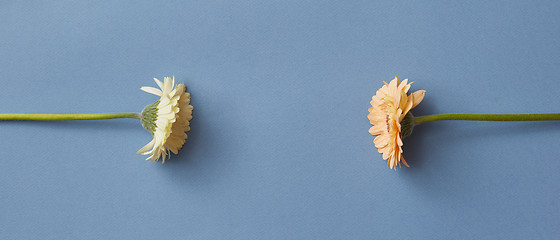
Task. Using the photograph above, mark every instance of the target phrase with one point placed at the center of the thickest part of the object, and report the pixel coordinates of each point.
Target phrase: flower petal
(409, 103)
(151, 90)
(159, 83)
(418, 96)
(146, 147)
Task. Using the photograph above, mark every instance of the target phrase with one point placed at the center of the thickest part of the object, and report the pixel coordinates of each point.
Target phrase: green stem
(64, 117)
(488, 117)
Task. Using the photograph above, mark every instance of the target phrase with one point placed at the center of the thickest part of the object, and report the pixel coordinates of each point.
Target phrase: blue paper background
(279, 147)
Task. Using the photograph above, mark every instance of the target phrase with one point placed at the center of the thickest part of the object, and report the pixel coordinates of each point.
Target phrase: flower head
(388, 109)
(167, 119)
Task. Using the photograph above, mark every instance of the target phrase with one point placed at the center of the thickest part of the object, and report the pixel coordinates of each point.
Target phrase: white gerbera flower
(167, 119)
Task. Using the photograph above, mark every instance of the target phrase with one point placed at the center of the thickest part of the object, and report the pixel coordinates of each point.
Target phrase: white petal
(151, 90)
(167, 87)
(146, 148)
(158, 82)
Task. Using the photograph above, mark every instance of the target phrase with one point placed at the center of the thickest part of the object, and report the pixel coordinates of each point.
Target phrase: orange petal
(403, 161)
(407, 86)
(409, 103)
(374, 131)
(403, 85)
(418, 96)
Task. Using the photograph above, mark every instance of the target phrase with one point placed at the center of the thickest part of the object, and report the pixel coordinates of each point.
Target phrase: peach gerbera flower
(389, 107)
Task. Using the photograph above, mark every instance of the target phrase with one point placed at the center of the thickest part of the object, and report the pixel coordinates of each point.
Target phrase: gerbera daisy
(167, 119)
(390, 105)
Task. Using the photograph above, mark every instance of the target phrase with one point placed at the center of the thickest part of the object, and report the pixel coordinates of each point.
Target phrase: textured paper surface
(279, 147)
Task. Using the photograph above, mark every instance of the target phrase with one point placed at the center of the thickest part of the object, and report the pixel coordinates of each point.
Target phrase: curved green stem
(488, 117)
(64, 117)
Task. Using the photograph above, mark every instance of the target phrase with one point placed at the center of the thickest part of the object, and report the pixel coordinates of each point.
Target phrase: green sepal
(407, 124)
(149, 116)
